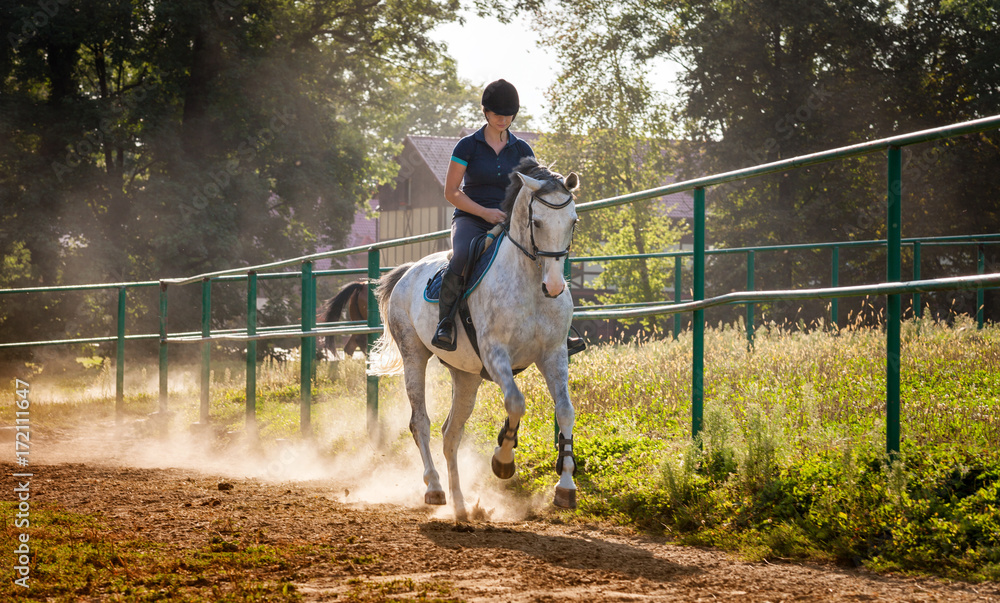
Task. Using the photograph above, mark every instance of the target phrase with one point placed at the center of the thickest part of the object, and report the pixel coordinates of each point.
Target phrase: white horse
(522, 311)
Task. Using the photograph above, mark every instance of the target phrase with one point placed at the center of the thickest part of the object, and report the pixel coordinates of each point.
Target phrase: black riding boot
(446, 336)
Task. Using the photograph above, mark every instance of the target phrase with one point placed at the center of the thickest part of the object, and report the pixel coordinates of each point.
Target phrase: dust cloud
(340, 457)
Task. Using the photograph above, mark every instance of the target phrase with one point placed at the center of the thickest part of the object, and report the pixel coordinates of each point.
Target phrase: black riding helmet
(500, 97)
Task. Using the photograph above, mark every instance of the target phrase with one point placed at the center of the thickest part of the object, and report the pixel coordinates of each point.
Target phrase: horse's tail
(385, 358)
(334, 307)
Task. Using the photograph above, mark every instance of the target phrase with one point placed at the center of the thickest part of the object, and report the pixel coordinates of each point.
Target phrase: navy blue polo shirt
(487, 172)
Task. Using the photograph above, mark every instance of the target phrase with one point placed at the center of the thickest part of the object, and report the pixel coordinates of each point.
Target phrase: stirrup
(575, 345)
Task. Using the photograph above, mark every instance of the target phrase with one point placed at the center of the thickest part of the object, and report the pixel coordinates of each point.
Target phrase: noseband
(535, 253)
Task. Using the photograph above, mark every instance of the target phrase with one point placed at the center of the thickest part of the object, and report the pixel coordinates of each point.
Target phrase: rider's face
(497, 121)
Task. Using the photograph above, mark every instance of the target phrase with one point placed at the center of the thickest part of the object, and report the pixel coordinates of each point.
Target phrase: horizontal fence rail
(308, 330)
(926, 286)
(915, 244)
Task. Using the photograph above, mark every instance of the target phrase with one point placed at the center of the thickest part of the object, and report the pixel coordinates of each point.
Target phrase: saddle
(482, 252)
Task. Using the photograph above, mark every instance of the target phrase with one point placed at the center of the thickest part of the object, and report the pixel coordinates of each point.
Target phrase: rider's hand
(493, 216)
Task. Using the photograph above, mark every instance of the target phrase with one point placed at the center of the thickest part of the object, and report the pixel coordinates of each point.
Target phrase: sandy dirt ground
(509, 553)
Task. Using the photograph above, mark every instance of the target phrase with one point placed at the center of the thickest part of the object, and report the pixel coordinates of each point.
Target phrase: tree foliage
(764, 80)
(767, 80)
(613, 128)
(154, 139)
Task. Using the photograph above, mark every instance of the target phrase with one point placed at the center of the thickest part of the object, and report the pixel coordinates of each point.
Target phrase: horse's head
(541, 216)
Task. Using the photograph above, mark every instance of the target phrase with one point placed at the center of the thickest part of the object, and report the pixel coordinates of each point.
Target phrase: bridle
(535, 253)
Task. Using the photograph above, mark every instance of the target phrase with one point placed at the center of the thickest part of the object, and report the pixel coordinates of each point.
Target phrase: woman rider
(484, 161)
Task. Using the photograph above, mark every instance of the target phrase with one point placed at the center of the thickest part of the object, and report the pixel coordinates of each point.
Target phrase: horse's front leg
(497, 362)
(555, 369)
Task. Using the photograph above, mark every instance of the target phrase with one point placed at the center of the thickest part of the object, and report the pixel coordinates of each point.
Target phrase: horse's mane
(530, 167)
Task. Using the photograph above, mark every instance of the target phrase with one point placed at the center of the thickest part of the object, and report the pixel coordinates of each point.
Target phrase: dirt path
(390, 552)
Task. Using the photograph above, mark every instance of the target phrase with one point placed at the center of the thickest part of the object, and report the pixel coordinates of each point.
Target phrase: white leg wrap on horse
(566, 479)
(566, 466)
(504, 456)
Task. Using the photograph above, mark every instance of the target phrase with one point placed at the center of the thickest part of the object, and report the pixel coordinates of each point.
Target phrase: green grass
(790, 465)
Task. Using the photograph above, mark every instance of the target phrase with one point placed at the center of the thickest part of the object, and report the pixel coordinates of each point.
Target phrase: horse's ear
(572, 182)
(528, 181)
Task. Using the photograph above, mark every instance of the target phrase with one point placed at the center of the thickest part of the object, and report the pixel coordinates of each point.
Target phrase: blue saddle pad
(432, 292)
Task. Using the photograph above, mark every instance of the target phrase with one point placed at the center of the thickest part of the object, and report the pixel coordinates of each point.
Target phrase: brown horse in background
(353, 297)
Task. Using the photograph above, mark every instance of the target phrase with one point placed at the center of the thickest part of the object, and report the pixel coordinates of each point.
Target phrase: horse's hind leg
(463, 400)
(415, 357)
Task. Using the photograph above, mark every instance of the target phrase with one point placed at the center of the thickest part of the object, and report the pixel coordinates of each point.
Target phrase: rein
(535, 253)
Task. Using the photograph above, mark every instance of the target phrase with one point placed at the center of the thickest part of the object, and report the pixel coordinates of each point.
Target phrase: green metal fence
(308, 330)
(980, 242)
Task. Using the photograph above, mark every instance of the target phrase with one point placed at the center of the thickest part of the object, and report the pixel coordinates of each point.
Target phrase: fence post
(373, 321)
(918, 312)
(120, 360)
(835, 282)
(750, 306)
(698, 323)
(206, 348)
(251, 406)
(893, 274)
(308, 344)
(980, 297)
(677, 294)
(163, 348)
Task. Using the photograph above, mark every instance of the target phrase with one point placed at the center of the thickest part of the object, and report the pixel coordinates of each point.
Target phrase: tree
(765, 80)
(144, 140)
(947, 69)
(813, 76)
(613, 129)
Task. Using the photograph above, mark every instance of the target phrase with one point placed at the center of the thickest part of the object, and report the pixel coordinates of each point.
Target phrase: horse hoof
(503, 470)
(565, 498)
(434, 498)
